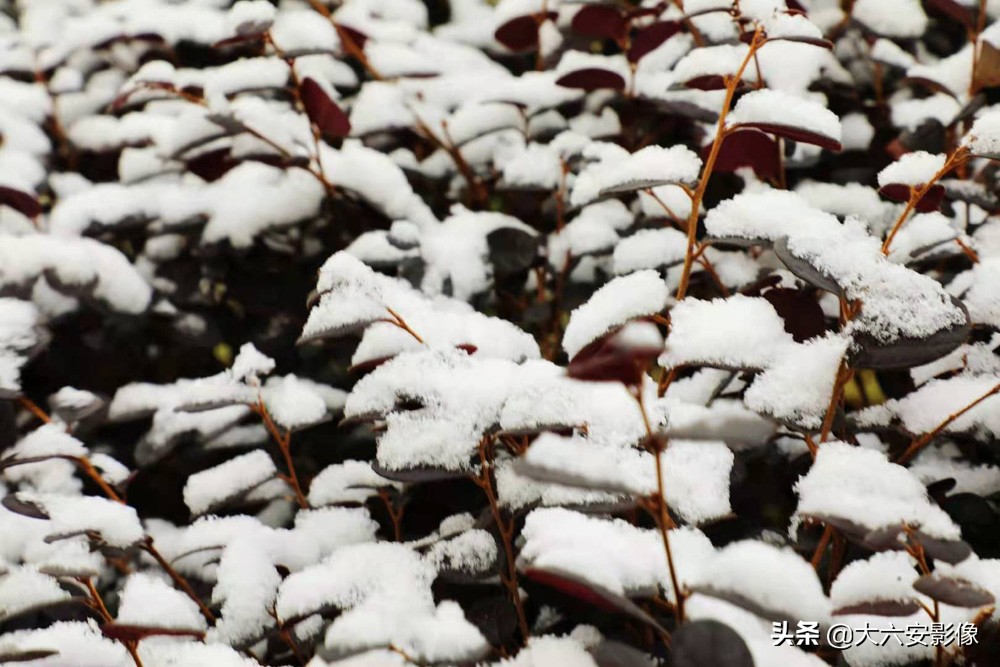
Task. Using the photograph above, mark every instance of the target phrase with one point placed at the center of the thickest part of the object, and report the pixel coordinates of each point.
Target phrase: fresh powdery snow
(767, 108)
(912, 169)
(207, 489)
(627, 297)
(370, 333)
(651, 166)
(151, 602)
(862, 487)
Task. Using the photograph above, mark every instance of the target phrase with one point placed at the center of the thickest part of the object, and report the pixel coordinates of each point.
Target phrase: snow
(767, 214)
(984, 137)
(888, 52)
(79, 642)
(653, 165)
(695, 474)
(718, 60)
(912, 169)
(861, 486)
(622, 299)
(649, 249)
(250, 364)
(738, 332)
(46, 440)
(347, 482)
(767, 107)
(293, 403)
(883, 577)
(798, 386)
(209, 488)
(931, 404)
(24, 589)
(473, 552)
(982, 298)
(148, 601)
(251, 16)
(116, 525)
(610, 553)
(383, 592)
(80, 264)
(773, 579)
(892, 18)
(167, 653)
(897, 303)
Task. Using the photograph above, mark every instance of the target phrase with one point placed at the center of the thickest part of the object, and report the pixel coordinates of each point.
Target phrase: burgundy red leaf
(324, 112)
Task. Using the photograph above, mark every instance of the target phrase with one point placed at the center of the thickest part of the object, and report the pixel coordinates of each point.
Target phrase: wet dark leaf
(23, 202)
(592, 78)
(909, 352)
(133, 633)
(521, 33)
(324, 112)
(611, 653)
(708, 643)
(496, 618)
(23, 507)
(880, 608)
(512, 250)
(931, 201)
(804, 269)
(594, 594)
(801, 312)
(953, 591)
(600, 22)
(949, 551)
(748, 148)
(650, 37)
(795, 134)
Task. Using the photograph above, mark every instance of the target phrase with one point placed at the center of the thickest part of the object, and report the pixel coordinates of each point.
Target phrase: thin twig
(284, 442)
(663, 520)
(922, 441)
(956, 158)
(732, 83)
(506, 531)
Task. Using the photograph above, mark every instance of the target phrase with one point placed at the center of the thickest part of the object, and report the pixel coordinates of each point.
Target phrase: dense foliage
(527, 333)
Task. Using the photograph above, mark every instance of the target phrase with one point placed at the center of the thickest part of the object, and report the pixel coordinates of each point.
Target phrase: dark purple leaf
(600, 22)
(324, 112)
(795, 134)
(211, 165)
(949, 551)
(133, 633)
(521, 33)
(592, 78)
(953, 591)
(589, 592)
(804, 269)
(880, 608)
(650, 37)
(511, 250)
(355, 36)
(611, 653)
(708, 643)
(23, 507)
(931, 201)
(25, 656)
(910, 352)
(20, 201)
(416, 475)
(955, 11)
(803, 316)
(748, 148)
(707, 82)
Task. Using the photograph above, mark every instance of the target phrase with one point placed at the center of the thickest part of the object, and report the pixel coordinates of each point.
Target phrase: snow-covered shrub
(517, 332)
